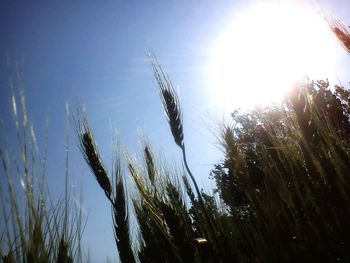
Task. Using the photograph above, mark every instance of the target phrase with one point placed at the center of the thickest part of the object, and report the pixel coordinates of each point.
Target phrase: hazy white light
(265, 50)
(23, 184)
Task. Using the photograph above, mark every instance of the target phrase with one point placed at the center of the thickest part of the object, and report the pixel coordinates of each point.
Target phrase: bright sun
(265, 51)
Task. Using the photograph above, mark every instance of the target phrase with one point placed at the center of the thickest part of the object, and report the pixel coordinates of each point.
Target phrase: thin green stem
(200, 199)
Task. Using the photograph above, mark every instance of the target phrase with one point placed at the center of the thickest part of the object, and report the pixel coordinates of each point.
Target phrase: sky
(94, 53)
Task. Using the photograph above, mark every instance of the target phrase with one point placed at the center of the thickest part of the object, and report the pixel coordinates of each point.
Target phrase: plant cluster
(283, 186)
(34, 226)
(282, 191)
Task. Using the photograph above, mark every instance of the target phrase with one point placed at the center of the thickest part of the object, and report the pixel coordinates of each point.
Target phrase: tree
(286, 175)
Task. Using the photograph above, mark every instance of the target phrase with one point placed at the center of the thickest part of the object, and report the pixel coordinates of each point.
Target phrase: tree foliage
(286, 174)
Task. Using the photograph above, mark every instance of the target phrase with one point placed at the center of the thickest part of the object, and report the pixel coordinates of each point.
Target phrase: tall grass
(34, 226)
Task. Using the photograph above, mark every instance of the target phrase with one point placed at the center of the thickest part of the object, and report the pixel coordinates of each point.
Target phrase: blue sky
(94, 53)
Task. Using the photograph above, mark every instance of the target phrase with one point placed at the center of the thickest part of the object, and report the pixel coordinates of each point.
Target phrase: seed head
(340, 31)
(170, 103)
(92, 157)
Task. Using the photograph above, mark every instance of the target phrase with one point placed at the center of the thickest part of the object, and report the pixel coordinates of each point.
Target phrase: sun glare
(267, 49)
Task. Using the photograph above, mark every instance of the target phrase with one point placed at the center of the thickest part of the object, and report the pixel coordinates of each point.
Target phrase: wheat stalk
(173, 113)
(341, 32)
(151, 170)
(170, 102)
(118, 200)
(90, 152)
(120, 218)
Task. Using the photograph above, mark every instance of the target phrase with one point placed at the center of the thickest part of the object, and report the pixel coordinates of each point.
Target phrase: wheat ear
(340, 31)
(170, 103)
(90, 152)
(120, 218)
